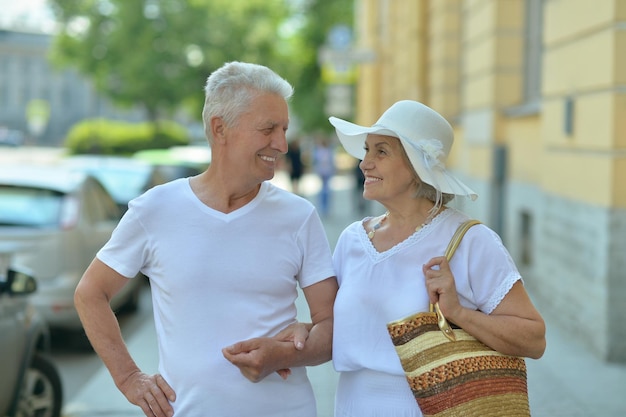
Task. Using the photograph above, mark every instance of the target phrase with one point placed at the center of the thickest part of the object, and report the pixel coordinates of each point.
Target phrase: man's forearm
(103, 331)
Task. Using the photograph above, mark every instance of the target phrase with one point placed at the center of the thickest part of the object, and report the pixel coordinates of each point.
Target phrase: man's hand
(257, 358)
(150, 392)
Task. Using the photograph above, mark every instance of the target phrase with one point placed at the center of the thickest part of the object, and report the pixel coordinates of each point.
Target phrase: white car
(124, 178)
(62, 217)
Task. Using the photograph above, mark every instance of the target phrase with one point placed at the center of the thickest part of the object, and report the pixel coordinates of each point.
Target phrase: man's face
(258, 137)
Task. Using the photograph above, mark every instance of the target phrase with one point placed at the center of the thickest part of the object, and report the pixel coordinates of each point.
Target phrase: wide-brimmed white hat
(425, 135)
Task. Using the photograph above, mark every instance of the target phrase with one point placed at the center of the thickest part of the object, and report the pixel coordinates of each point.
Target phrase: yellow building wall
(582, 15)
(492, 52)
(619, 119)
(583, 65)
(577, 175)
(525, 149)
(618, 176)
(465, 58)
(444, 59)
(492, 45)
(368, 90)
(580, 64)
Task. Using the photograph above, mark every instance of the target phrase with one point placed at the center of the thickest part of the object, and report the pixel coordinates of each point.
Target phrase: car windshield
(33, 207)
(123, 184)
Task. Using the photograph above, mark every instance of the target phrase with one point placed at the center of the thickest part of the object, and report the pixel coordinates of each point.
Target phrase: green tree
(158, 53)
(312, 21)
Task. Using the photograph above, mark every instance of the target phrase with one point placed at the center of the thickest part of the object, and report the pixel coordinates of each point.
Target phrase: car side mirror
(18, 283)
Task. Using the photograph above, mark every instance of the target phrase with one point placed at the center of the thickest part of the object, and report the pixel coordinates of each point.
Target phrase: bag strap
(458, 236)
(443, 324)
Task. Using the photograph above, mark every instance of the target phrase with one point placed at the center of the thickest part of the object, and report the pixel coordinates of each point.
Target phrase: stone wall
(574, 265)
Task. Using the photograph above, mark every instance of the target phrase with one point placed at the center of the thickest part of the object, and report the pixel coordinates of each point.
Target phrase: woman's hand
(297, 333)
(441, 287)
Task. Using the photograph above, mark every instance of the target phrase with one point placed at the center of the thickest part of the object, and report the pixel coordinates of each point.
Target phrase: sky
(25, 14)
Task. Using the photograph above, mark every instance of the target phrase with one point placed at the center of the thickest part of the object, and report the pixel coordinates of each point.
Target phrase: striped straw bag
(450, 372)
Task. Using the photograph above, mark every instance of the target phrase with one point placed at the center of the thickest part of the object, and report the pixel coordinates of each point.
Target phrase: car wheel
(42, 393)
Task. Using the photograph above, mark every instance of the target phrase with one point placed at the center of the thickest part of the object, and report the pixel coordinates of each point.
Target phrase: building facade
(536, 92)
(40, 100)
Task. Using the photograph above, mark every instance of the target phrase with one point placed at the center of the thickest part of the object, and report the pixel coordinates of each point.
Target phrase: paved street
(567, 381)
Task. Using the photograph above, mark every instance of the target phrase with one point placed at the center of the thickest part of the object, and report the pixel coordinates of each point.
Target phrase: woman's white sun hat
(425, 135)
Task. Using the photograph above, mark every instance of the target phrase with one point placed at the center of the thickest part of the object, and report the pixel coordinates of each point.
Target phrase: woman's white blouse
(376, 288)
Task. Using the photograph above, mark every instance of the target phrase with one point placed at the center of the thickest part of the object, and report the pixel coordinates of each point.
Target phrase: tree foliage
(158, 53)
(313, 20)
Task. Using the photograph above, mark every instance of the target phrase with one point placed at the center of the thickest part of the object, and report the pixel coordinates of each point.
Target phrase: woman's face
(388, 175)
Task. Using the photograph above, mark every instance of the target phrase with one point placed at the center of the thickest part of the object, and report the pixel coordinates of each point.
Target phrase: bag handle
(454, 243)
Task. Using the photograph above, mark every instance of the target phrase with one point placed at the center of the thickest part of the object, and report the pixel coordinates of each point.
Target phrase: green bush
(113, 137)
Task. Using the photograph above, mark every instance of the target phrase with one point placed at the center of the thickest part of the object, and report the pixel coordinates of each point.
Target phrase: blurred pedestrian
(359, 186)
(391, 266)
(225, 252)
(295, 165)
(324, 167)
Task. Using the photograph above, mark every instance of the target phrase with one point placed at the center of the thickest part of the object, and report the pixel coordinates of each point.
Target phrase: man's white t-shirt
(217, 279)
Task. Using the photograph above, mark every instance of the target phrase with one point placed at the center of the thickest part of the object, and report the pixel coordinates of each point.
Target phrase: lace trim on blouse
(416, 236)
(500, 292)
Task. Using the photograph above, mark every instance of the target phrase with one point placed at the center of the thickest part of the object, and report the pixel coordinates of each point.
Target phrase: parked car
(30, 385)
(11, 137)
(178, 161)
(124, 178)
(63, 217)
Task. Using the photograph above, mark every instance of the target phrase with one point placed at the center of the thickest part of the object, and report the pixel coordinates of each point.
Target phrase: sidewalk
(570, 381)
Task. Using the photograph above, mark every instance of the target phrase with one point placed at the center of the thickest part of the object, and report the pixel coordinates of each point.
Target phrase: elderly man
(225, 252)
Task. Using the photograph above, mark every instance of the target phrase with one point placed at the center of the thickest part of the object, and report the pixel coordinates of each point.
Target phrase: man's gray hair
(230, 89)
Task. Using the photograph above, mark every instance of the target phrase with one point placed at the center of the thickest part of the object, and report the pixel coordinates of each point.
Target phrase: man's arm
(92, 297)
(256, 358)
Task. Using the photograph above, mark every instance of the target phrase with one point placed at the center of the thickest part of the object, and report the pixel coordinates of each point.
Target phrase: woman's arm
(515, 327)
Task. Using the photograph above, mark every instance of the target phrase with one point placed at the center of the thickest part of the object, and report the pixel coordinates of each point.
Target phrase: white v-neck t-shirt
(217, 279)
(379, 287)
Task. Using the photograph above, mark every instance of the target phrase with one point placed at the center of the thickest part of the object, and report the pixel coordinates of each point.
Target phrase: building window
(4, 97)
(526, 223)
(534, 50)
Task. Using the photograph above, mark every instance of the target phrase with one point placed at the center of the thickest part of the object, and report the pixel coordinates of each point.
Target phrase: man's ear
(217, 128)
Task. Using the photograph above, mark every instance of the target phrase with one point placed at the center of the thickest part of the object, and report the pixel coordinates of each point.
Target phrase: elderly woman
(391, 265)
